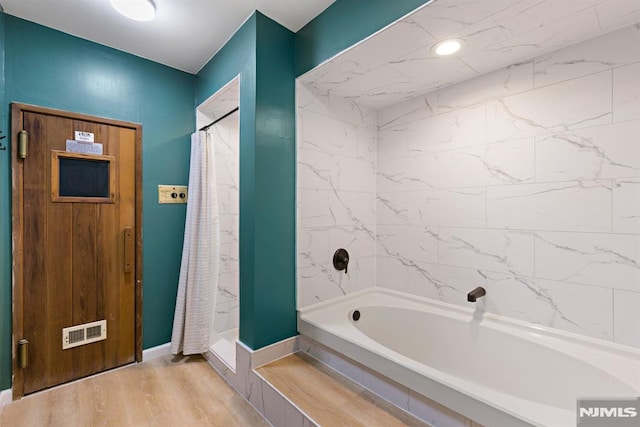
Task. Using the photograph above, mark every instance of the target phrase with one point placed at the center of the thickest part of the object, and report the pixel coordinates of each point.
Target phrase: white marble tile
(441, 282)
(507, 162)
(626, 318)
(224, 205)
(408, 242)
(573, 104)
(599, 54)
(626, 206)
(323, 133)
(337, 108)
(392, 143)
(369, 84)
(347, 367)
(315, 349)
(254, 391)
(228, 234)
(547, 37)
(417, 108)
(366, 271)
(335, 208)
(503, 82)
(393, 208)
(386, 388)
(227, 172)
(360, 242)
(292, 416)
(564, 206)
(414, 173)
(314, 170)
(493, 250)
(351, 112)
(609, 151)
(274, 405)
(367, 144)
(413, 67)
(319, 280)
(606, 260)
(531, 15)
(617, 13)
(463, 207)
(552, 303)
(455, 129)
(626, 93)
(434, 413)
(234, 200)
(313, 265)
(309, 100)
(391, 274)
(445, 17)
(350, 174)
(383, 47)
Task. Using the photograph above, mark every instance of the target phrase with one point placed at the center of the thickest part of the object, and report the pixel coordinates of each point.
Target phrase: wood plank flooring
(329, 398)
(161, 392)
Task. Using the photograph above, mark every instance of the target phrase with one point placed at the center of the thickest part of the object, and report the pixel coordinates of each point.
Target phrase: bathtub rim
(490, 318)
(449, 393)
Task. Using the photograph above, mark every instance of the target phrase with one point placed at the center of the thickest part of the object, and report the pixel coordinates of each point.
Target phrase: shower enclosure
(220, 115)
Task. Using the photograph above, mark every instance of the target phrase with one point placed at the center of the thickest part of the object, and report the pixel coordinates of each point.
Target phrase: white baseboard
(6, 397)
(155, 352)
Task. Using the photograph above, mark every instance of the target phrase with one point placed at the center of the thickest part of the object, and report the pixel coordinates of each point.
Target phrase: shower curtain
(197, 286)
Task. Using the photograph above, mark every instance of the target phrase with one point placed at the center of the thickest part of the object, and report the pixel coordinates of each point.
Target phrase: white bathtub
(491, 369)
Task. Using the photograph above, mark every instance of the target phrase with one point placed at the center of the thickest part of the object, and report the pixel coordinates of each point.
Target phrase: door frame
(17, 228)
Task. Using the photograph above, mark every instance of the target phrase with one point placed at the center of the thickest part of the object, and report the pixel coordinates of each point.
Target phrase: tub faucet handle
(341, 260)
(476, 293)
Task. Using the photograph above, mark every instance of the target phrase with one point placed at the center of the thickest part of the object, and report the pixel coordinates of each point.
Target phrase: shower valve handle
(341, 260)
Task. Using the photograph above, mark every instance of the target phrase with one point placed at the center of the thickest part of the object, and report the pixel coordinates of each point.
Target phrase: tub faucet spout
(476, 293)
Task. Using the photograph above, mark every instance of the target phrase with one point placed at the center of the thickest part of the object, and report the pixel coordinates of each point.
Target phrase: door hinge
(23, 144)
(23, 353)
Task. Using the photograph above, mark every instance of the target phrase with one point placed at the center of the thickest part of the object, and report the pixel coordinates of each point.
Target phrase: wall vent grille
(87, 333)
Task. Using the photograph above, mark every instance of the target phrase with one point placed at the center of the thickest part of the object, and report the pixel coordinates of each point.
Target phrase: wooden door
(77, 251)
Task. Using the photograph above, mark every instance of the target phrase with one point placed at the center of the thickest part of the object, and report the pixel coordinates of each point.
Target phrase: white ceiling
(185, 33)
(396, 64)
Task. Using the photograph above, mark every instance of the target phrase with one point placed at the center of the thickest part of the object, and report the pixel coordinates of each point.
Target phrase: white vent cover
(74, 336)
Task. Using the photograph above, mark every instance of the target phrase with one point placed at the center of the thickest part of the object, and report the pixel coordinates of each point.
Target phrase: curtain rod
(221, 118)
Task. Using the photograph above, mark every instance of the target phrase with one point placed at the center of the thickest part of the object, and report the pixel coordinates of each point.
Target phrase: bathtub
(491, 369)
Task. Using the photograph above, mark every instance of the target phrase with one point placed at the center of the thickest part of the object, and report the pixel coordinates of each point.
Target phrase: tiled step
(328, 398)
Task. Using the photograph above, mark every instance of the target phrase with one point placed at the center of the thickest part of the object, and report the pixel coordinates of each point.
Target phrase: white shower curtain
(197, 287)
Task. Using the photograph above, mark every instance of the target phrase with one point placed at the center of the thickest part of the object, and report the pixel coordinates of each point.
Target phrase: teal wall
(262, 52)
(343, 24)
(53, 69)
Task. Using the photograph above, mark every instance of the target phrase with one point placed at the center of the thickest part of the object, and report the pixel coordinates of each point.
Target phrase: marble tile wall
(226, 138)
(336, 195)
(526, 181)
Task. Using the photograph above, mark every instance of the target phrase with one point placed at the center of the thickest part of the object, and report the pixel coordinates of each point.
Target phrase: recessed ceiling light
(140, 10)
(447, 47)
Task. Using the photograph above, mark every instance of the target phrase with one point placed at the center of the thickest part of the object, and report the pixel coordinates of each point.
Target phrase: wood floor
(160, 392)
(330, 399)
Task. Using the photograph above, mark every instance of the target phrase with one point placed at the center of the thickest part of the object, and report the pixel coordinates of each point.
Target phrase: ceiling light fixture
(140, 10)
(447, 47)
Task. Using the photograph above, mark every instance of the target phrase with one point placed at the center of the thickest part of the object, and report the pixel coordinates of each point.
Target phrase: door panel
(70, 266)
